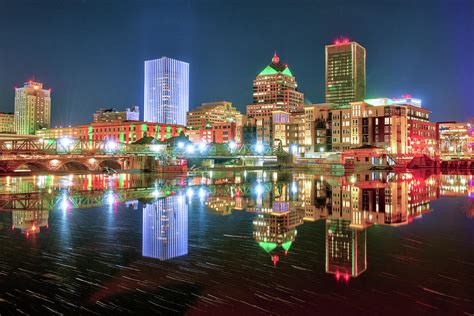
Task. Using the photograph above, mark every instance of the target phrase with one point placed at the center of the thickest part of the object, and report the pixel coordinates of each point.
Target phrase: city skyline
(392, 69)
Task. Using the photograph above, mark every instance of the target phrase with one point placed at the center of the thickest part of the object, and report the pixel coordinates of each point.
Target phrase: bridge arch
(32, 166)
(109, 163)
(73, 166)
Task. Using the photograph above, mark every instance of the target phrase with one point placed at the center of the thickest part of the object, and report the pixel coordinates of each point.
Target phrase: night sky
(91, 52)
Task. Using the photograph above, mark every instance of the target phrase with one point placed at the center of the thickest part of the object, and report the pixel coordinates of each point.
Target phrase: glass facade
(166, 91)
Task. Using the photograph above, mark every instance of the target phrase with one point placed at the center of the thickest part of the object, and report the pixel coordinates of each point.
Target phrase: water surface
(252, 242)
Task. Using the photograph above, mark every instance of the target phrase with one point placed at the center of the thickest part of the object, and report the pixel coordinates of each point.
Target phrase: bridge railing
(68, 145)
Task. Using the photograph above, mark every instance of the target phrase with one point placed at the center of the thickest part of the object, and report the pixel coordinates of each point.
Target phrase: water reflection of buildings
(349, 205)
(276, 227)
(165, 228)
(30, 222)
(346, 249)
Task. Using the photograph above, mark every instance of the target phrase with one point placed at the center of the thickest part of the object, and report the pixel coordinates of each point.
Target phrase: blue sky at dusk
(91, 53)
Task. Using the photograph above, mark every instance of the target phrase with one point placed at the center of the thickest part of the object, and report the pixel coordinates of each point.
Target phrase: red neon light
(275, 259)
(341, 40)
(275, 59)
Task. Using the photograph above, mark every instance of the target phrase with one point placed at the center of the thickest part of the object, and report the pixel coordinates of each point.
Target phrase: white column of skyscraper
(166, 98)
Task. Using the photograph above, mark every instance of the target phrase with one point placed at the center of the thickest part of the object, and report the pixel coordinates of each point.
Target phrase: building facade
(32, 108)
(7, 122)
(273, 129)
(60, 132)
(455, 139)
(166, 97)
(317, 120)
(112, 115)
(211, 113)
(275, 89)
(129, 131)
(345, 72)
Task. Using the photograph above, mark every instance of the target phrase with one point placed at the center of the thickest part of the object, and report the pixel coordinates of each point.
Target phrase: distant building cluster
(278, 115)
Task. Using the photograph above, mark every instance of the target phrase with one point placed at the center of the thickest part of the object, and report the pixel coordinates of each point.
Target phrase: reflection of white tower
(165, 228)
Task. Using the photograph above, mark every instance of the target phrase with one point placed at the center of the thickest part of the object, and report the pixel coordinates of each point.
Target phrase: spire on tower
(275, 59)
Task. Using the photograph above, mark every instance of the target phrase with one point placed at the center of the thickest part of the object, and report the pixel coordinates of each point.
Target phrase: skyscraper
(166, 91)
(275, 88)
(345, 72)
(32, 108)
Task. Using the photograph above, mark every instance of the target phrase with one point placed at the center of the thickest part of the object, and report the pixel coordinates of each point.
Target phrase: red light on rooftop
(407, 96)
(275, 58)
(341, 40)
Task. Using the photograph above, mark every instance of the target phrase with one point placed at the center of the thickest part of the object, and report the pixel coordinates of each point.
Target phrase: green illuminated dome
(276, 67)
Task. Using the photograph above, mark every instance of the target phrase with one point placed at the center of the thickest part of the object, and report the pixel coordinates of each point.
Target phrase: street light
(294, 149)
(232, 145)
(259, 148)
(66, 143)
(180, 145)
(190, 148)
(110, 146)
(202, 147)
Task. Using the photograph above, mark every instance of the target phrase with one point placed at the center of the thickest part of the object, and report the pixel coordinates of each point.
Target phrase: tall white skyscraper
(166, 91)
(32, 108)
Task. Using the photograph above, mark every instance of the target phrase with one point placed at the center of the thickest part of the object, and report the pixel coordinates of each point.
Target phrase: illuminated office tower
(345, 72)
(166, 91)
(32, 108)
(275, 88)
(165, 228)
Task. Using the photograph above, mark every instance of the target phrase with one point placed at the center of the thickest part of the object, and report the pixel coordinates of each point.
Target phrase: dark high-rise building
(345, 72)
(275, 88)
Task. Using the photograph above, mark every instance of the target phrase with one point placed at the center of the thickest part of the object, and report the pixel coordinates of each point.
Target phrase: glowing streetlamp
(294, 149)
(259, 148)
(110, 146)
(66, 143)
(202, 147)
(190, 149)
(232, 145)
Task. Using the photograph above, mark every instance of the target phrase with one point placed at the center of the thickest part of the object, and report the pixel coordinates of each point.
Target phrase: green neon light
(267, 246)
(122, 137)
(90, 133)
(168, 129)
(121, 179)
(144, 128)
(287, 245)
(287, 72)
(268, 71)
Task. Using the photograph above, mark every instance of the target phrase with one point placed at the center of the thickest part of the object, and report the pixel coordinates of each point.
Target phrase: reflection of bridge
(70, 199)
(69, 154)
(62, 198)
